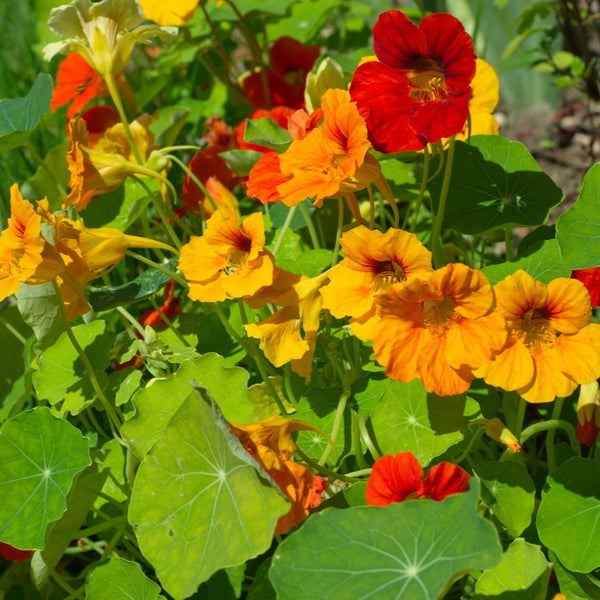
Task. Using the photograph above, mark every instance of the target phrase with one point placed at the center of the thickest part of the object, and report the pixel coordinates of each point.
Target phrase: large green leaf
(545, 264)
(576, 586)
(509, 493)
(577, 228)
(406, 418)
(218, 12)
(413, 549)
(200, 502)
(523, 574)
(158, 402)
(20, 116)
(61, 376)
(40, 455)
(568, 519)
(121, 579)
(495, 183)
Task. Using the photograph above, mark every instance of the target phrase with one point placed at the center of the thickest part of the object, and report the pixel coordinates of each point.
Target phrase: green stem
(310, 226)
(73, 593)
(169, 323)
(422, 190)
(356, 442)
(91, 373)
(475, 439)
(436, 232)
(131, 319)
(338, 419)
(366, 438)
(338, 233)
(81, 533)
(172, 274)
(552, 425)
(113, 90)
(517, 426)
(550, 453)
(317, 466)
(283, 229)
(12, 329)
(371, 207)
(194, 178)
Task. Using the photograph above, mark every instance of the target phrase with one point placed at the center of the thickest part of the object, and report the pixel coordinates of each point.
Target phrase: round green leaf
(568, 519)
(509, 492)
(408, 419)
(200, 502)
(159, 401)
(577, 228)
(121, 579)
(40, 455)
(495, 183)
(413, 549)
(523, 574)
(576, 586)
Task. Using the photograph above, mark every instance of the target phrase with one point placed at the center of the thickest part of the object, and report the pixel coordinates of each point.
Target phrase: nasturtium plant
(287, 301)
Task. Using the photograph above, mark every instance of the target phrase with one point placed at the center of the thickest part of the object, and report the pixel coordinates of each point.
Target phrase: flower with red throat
(398, 478)
(418, 91)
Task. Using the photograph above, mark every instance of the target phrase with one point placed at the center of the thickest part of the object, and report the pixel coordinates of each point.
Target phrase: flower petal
(393, 479)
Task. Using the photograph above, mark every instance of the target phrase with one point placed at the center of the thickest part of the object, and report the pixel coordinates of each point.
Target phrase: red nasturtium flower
(291, 61)
(10, 553)
(76, 83)
(398, 478)
(418, 91)
(551, 346)
(591, 279)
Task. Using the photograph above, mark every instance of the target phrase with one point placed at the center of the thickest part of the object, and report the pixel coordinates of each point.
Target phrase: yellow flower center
(439, 314)
(535, 329)
(427, 81)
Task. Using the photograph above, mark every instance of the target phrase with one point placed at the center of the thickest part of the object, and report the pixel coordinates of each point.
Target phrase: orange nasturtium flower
(438, 328)
(229, 260)
(76, 84)
(552, 346)
(398, 478)
(332, 159)
(25, 256)
(270, 442)
(105, 166)
(174, 12)
(104, 33)
(373, 261)
(280, 334)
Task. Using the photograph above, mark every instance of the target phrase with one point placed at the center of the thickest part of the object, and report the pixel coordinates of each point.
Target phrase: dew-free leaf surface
(411, 549)
(40, 456)
(200, 502)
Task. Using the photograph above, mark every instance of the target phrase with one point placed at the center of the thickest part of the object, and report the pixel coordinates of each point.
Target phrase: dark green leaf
(266, 132)
(496, 183)
(240, 161)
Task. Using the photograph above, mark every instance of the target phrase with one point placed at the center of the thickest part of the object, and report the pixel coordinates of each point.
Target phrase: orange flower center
(386, 273)
(439, 314)
(535, 328)
(427, 81)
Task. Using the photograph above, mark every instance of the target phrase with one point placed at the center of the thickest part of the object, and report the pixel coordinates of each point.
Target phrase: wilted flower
(588, 414)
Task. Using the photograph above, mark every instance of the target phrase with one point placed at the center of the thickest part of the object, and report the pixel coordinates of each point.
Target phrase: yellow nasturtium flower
(104, 33)
(175, 12)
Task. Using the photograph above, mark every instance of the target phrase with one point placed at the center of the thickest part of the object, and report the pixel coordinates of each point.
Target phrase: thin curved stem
(422, 190)
(436, 232)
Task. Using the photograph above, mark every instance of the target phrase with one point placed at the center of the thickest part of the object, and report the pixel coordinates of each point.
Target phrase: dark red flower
(591, 279)
(418, 91)
(290, 61)
(587, 432)
(97, 120)
(10, 553)
(398, 478)
(76, 83)
(170, 309)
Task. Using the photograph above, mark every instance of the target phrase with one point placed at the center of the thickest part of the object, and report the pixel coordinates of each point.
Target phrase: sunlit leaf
(411, 549)
(200, 502)
(40, 456)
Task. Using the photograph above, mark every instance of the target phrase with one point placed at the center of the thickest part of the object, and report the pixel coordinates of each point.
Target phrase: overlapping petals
(229, 260)
(373, 261)
(552, 346)
(418, 91)
(399, 478)
(439, 329)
